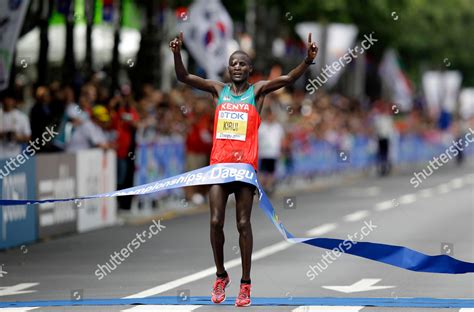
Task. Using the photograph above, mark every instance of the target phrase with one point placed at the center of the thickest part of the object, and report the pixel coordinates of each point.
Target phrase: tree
(147, 67)
(45, 10)
(69, 64)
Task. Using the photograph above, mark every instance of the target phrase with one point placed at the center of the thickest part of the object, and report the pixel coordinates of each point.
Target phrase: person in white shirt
(384, 129)
(270, 137)
(91, 132)
(15, 128)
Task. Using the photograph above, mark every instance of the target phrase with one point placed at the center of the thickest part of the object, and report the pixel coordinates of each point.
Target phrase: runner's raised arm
(264, 87)
(211, 86)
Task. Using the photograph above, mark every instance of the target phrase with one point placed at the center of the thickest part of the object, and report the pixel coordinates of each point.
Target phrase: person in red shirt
(125, 119)
(235, 139)
(198, 146)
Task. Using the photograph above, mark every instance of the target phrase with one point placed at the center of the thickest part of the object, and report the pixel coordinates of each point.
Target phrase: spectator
(198, 145)
(91, 133)
(61, 98)
(288, 155)
(384, 127)
(74, 113)
(15, 128)
(271, 135)
(125, 120)
(42, 116)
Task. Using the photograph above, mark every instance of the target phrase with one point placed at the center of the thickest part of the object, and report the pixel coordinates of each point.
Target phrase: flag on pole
(108, 10)
(397, 84)
(466, 99)
(12, 14)
(441, 90)
(207, 33)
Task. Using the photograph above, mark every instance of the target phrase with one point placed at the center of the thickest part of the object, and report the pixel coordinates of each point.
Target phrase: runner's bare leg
(218, 195)
(244, 199)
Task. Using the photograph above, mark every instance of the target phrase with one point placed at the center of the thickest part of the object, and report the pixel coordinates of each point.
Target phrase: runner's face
(239, 67)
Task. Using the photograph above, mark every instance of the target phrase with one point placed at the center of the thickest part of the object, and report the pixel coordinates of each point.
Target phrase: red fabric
(194, 139)
(234, 151)
(124, 130)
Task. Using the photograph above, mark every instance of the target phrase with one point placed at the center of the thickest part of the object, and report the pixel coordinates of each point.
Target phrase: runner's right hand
(176, 43)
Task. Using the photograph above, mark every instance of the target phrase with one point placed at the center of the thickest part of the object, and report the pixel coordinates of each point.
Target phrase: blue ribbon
(398, 256)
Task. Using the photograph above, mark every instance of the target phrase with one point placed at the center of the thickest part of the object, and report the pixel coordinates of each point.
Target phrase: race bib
(232, 125)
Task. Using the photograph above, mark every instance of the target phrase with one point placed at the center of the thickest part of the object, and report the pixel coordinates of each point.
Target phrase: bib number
(232, 125)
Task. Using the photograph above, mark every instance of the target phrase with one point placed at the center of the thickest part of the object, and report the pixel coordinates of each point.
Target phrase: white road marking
(163, 308)
(356, 216)
(443, 188)
(456, 183)
(17, 289)
(322, 229)
(466, 310)
(469, 178)
(328, 308)
(365, 284)
(407, 199)
(262, 253)
(272, 249)
(428, 192)
(385, 205)
(18, 309)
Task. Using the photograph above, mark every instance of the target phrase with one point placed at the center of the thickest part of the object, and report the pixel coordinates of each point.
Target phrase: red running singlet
(236, 122)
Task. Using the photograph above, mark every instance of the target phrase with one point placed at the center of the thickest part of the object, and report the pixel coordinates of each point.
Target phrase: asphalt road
(438, 217)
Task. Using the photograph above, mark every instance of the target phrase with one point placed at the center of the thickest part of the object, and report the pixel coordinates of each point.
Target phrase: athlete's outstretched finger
(309, 38)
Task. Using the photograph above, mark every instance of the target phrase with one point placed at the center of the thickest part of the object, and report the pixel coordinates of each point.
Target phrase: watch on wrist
(309, 61)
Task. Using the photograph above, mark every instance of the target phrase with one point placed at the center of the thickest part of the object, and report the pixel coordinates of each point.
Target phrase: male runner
(235, 140)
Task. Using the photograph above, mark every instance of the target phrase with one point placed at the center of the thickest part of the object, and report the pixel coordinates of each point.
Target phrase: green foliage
(131, 14)
(429, 34)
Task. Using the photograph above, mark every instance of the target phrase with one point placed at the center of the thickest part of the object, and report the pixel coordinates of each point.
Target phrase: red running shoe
(218, 291)
(243, 299)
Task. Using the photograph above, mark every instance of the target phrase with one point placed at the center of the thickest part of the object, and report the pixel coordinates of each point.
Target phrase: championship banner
(398, 256)
(12, 13)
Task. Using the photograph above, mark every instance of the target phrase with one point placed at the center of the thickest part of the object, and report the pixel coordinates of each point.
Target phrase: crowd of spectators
(90, 116)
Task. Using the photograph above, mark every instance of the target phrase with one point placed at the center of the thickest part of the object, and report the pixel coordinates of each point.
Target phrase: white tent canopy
(102, 44)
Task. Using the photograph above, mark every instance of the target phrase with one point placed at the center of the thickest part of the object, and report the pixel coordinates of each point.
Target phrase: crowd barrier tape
(398, 256)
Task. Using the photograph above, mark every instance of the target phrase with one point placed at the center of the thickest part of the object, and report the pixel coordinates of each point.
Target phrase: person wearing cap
(91, 133)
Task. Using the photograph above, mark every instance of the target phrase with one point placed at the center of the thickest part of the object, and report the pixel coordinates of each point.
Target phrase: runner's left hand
(312, 48)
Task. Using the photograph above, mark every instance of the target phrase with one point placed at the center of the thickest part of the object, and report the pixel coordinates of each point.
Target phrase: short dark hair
(8, 93)
(242, 53)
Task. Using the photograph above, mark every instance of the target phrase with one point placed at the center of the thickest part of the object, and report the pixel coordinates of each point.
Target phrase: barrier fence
(57, 175)
(94, 171)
